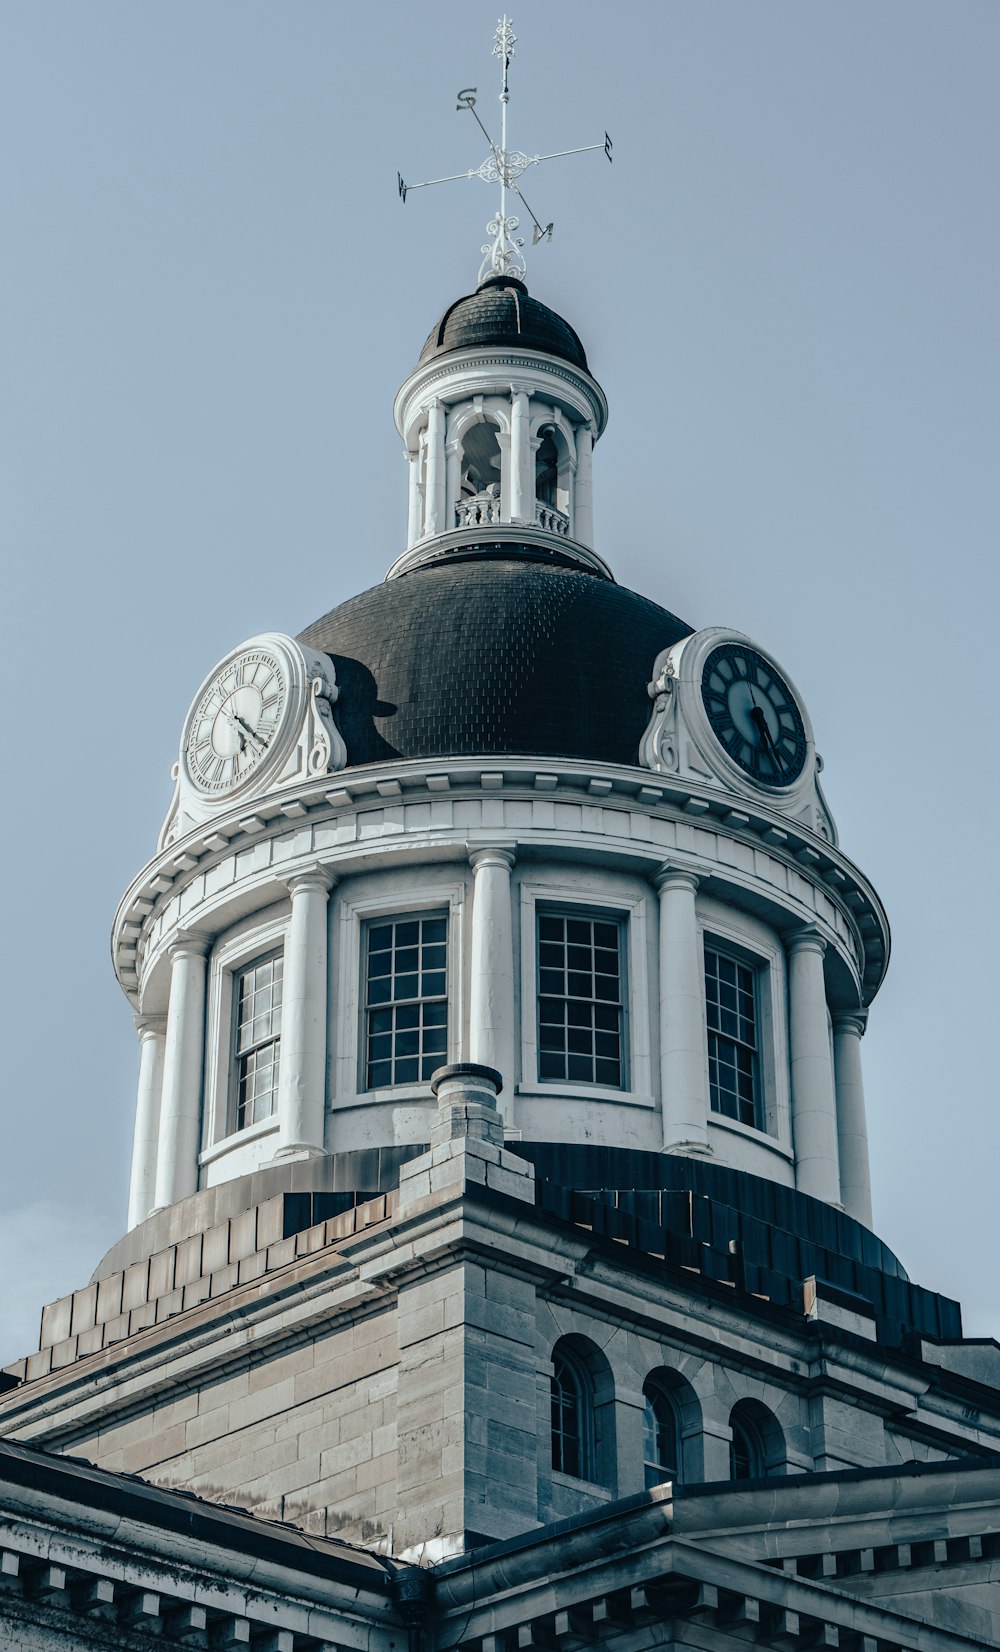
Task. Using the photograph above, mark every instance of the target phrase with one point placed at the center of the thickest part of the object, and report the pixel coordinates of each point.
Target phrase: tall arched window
(572, 1417)
(661, 1443)
(758, 1445)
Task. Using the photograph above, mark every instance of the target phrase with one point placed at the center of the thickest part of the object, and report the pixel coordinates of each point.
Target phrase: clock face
(234, 723)
(754, 715)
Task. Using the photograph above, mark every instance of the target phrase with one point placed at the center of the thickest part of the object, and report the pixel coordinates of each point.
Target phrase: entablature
(613, 815)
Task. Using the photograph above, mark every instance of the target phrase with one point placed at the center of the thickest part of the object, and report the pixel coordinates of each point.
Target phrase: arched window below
(661, 1445)
(758, 1445)
(573, 1446)
(746, 1452)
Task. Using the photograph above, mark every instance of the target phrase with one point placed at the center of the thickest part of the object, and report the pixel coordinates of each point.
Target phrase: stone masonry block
(135, 1285)
(251, 1267)
(169, 1305)
(84, 1309)
(57, 1317)
(270, 1222)
(197, 1291)
(187, 1266)
(109, 1297)
(223, 1279)
(215, 1250)
(64, 1353)
(161, 1272)
(243, 1235)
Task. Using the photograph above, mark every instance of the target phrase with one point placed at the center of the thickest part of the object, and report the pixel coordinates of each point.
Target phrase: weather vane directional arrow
(502, 255)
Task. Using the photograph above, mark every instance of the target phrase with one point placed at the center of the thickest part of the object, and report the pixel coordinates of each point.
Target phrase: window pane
(580, 991)
(731, 1006)
(256, 1033)
(406, 1004)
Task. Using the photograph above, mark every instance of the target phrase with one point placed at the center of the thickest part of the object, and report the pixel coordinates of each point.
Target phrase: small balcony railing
(552, 520)
(478, 510)
(481, 510)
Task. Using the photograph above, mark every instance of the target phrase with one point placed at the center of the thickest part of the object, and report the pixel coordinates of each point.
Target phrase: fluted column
(142, 1185)
(683, 1056)
(415, 504)
(304, 1011)
(852, 1126)
(522, 482)
(814, 1106)
(582, 525)
(435, 522)
(491, 1007)
(183, 1073)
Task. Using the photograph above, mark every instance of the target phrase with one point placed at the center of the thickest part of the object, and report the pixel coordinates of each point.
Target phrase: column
(414, 514)
(492, 1028)
(183, 1069)
(814, 1107)
(435, 521)
(453, 482)
(522, 482)
(304, 1012)
(683, 1052)
(852, 1127)
(142, 1186)
(582, 523)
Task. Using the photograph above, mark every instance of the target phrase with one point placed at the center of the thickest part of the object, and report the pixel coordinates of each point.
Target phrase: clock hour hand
(249, 733)
(759, 721)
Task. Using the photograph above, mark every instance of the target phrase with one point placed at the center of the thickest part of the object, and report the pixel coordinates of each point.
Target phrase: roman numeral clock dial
(754, 715)
(235, 721)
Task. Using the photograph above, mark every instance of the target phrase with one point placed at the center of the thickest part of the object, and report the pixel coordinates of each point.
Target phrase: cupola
(498, 420)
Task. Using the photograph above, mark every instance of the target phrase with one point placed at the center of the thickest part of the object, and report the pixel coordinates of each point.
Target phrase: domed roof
(501, 311)
(500, 650)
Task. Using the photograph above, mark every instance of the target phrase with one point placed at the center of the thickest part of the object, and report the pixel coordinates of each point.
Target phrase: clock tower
(500, 1261)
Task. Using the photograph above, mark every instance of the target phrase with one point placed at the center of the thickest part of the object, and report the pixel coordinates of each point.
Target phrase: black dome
(501, 651)
(501, 311)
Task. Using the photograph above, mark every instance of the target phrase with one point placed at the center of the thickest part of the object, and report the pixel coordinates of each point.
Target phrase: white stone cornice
(624, 813)
(462, 373)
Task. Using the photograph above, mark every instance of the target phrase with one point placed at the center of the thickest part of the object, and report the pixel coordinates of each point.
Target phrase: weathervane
(502, 254)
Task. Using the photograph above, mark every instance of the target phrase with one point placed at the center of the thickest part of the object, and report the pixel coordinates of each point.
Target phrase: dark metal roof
(494, 652)
(502, 312)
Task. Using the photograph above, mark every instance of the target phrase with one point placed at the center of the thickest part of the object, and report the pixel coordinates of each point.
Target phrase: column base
(298, 1150)
(693, 1147)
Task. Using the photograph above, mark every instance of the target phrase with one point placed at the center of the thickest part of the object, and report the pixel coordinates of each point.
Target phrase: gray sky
(787, 284)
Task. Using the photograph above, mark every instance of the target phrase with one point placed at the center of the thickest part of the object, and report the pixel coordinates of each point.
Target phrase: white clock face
(235, 722)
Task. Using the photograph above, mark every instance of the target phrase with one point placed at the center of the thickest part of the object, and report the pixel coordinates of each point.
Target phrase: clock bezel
(275, 648)
(732, 645)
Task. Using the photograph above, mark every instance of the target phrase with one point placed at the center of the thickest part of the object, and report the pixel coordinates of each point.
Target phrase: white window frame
(229, 957)
(751, 943)
(605, 898)
(356, 911)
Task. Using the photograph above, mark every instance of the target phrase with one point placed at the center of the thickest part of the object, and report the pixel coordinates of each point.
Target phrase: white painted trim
(354, 911)
(606, 892)
(229, 955)
(757, 945)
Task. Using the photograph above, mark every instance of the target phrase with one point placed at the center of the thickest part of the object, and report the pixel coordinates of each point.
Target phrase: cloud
(46, 1251)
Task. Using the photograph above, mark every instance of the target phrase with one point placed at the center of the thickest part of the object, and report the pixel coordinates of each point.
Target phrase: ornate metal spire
(502, 254)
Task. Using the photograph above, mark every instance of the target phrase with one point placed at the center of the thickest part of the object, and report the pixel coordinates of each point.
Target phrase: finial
(502, 254)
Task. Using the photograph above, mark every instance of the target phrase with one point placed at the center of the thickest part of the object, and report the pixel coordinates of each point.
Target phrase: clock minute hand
(759, 720)
(250, 733)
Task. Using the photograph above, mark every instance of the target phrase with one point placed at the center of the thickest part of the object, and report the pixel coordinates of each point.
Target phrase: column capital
(807, 939)
(317, 878)
(669, 876)
(189, 943)
(149, 1026)
(855, 1021)
(520, 389)
(493, 854)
